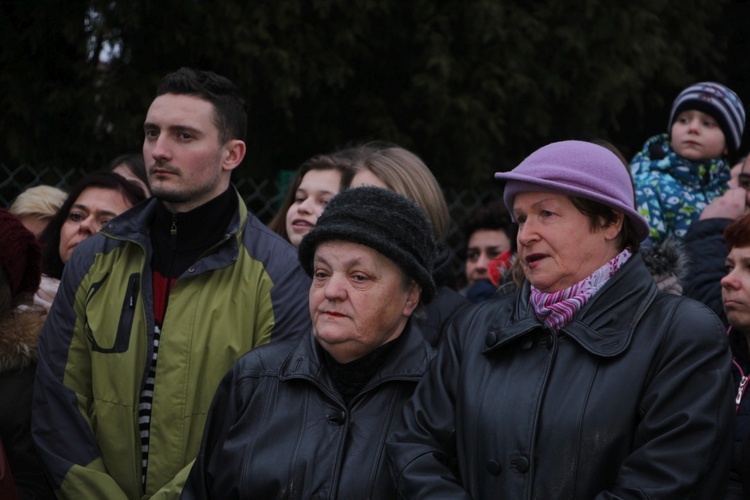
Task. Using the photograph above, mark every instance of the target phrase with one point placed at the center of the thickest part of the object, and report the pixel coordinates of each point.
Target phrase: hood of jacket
(19, 334)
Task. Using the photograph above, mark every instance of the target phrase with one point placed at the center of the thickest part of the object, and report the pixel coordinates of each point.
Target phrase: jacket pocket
(125, 323)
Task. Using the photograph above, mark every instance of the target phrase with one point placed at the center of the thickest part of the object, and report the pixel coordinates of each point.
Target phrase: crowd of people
(158, 340)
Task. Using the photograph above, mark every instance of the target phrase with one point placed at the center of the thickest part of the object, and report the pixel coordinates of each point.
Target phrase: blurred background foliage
(472, 86)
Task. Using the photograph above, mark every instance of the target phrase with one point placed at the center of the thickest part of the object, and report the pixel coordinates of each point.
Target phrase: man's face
(743, 176)
(735, 289)
(740, 174)
(183, 155)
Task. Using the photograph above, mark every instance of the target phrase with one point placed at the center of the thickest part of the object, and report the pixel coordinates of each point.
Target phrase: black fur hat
(384, 221)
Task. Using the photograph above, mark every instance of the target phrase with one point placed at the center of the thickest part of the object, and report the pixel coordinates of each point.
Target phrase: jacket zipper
(173, 233)
(741, 388)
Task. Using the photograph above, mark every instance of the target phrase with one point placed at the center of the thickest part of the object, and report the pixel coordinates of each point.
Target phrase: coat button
(337, 418)
(527, 344)
(522, 464)
(493, 468)
(490, 340)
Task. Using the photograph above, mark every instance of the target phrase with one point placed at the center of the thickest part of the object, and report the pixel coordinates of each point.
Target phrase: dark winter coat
(18, 354)
(707, 253)
(278, 427)
(433, 318)
(740, 372)
(632, 399)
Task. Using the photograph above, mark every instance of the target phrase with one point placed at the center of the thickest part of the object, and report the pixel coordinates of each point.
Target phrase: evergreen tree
(472, 86)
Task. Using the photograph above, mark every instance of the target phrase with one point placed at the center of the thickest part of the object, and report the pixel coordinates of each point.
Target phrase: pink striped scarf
(558, 309)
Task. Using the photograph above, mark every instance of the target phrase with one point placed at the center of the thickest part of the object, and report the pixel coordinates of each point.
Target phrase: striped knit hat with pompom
(717, 101)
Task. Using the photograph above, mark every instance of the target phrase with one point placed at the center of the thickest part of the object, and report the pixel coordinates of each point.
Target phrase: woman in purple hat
(588, 382)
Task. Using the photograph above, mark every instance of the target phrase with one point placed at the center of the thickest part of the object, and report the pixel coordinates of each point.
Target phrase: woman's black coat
(278, 428)
(632, 399)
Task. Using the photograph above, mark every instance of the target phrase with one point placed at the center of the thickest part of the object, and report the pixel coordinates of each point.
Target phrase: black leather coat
(632, 399)
(278, 427)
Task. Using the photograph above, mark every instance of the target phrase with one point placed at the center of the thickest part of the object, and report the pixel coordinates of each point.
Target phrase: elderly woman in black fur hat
(310, 419)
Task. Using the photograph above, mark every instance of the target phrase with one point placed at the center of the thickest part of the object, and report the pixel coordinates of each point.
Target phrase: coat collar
(134, 225)
(407, 363)
(604, 326)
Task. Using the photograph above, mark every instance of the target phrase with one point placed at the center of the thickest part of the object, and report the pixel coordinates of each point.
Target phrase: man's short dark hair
(230, 111)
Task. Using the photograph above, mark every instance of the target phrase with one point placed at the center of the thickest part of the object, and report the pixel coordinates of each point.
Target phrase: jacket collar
(134, 225)
(657, 156)
(408, 363)
(195, 228)
(604, 326)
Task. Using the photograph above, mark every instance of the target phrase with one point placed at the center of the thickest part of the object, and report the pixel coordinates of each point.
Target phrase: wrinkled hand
(731, 205)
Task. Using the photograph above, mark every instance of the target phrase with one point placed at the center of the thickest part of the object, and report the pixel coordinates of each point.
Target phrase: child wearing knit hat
(678, 173)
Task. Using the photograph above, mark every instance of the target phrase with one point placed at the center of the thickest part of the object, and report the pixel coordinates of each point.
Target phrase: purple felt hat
(576, 168)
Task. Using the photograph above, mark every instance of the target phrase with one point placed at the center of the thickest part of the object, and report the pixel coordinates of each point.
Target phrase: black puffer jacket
(633, 399)
(278, 427)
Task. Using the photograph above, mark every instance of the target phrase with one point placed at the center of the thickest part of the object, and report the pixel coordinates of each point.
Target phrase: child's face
(317, 188)
(697, 136)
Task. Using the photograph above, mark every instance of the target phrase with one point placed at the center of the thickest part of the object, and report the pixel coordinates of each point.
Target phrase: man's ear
(233, 152)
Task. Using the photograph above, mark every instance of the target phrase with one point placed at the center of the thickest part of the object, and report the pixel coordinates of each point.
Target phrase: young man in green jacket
(154, 309)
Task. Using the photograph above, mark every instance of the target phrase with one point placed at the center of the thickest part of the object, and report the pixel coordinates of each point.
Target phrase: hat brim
(520, 183)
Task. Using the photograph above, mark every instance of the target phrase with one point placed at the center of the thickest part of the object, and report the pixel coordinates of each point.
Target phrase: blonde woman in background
(36, 206)
(395, 168)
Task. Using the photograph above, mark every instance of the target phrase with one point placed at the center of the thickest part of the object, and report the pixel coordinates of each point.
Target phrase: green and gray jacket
(97, 342)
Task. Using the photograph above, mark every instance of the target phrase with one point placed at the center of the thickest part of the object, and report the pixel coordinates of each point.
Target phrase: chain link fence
(262, 196)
